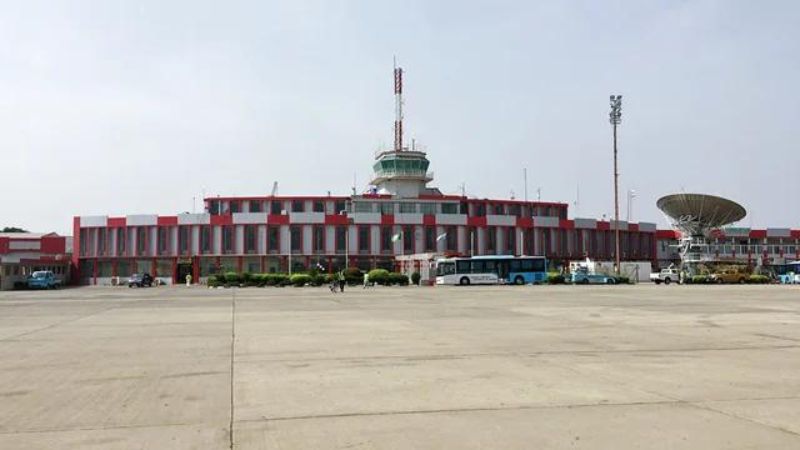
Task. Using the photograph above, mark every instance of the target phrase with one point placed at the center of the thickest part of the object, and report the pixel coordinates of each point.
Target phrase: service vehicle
(43, 279)
(728, 276)
(140, 280)
(584, 276)
(666, 276)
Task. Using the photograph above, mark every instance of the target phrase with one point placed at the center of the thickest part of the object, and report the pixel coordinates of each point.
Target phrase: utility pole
(615, 117)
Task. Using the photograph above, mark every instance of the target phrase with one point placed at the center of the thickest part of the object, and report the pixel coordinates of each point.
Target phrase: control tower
(401, 171)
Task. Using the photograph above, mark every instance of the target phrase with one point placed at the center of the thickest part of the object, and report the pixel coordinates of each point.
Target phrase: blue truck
(43, 279)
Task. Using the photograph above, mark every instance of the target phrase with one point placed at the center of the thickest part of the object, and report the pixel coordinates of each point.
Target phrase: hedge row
(353, 276)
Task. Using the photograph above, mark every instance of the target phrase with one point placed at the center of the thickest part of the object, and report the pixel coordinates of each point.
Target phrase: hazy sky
(135, 107)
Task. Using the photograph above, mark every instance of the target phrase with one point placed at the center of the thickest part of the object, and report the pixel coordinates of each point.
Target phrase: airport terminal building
(399, 216)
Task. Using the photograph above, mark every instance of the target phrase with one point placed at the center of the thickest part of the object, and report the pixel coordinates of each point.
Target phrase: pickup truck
(729, 276)
(43, 279)
(666, 276)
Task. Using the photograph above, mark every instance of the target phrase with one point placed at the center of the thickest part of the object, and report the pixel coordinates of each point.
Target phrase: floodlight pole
(615, 117)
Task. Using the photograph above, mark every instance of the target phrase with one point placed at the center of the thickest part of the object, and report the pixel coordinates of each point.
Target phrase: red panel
(525, 222)
(76, 245)
(225, 219)
(335, 219)
(566, 224)
(54, 245)
(167, 221)
(117, 222)
(476, 221)
(633, 227)
(3, 245)
(429, 219)
(795, 234)
(667, 234)
(387, 219)
(276, 219)
(758, 234)
(603, 226)
(376, 196)
(440, 197)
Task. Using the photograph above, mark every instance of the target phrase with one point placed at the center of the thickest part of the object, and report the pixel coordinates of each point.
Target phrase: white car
(666, 276)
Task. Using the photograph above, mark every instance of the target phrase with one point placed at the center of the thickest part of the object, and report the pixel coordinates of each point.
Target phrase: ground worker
(341, 281)
(188, 279)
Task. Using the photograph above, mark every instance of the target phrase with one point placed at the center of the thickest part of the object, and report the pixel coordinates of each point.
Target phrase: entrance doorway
(182, 270)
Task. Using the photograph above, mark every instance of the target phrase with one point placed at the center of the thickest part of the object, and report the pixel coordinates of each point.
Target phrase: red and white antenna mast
(398, 99)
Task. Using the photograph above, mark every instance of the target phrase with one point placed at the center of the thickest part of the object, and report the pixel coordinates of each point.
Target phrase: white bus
(491, 270)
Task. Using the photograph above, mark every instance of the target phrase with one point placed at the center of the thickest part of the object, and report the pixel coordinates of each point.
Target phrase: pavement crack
(233, 354)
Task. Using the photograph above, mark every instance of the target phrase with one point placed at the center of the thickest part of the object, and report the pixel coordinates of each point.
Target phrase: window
(480, 210)
(451, 239)
(463, 266)
(364, 207)
(498, 210)
(408, 208)
(363, 239)
(449, 208)
(339, 206)
(478, 267)
(491, 239)
(183, 240)
(205, 240)
(537, 265)
(227, 239)
(511, 241)
(275, 207)
(141, 241)
(296, 238)
(163, 240)
(386, 239)
(319, 206)
(214, 207)
(273, 240)
(255, 206)
(408, 239)
(387, 208)
(236, 207)
(83, 237)
(341, 239)
(250, 238)
(101, 241)
(121, 241)
(430, 239)
(514, 210)
(319, 239)
(298, 206)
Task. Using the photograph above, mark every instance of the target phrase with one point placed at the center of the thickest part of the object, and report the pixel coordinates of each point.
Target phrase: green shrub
(353, 276)
(555, 278)
(329, 278)
(231, 278)
(300, 279)
(379, 276)
(622, 279)
(246, 278)
(415, 277)
(698, 279)
(398, 278)
(317, 280)
(758, 279)
(213, 281)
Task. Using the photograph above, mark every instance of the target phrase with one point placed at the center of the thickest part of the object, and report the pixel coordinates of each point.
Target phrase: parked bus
(492, 270)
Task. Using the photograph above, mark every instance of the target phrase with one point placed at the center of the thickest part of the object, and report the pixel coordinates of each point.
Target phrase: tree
(13, 230)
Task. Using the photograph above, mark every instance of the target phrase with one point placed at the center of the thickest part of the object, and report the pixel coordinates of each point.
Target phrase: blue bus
(492, 270)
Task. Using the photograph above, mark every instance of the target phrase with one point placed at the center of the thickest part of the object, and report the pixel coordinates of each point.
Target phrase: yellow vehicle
(729, 276)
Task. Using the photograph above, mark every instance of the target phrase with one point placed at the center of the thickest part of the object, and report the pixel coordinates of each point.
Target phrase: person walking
(366, 280)
(341, 281)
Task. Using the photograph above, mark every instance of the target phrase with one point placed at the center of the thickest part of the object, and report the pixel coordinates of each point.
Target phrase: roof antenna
(398, 105)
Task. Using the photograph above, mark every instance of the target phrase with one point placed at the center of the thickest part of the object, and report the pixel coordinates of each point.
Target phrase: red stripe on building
(525, 222)
(429, 219)
(273, 219)
(633, 227)
(566, 224)
(4, 245)
(476, 221)
(76, 245)
(117, 222)
(54, 245)
(667, 234)
(603, 226)
(227, 219)
(335, 219)
(758, 234)
(795, 234)
(165, 221)
(387, 219)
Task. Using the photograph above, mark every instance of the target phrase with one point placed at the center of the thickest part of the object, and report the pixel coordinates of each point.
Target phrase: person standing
(366, 280)
(341, 281)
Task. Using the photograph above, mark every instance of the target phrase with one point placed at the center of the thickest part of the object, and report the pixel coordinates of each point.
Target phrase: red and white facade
(23, 253)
